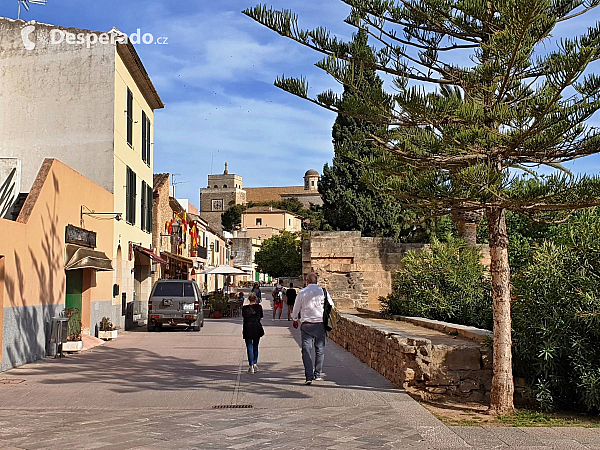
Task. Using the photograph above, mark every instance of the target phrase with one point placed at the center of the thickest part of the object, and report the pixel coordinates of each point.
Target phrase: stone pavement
(184, 389)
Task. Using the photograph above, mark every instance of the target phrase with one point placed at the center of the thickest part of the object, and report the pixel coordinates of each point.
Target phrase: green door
(74, 289)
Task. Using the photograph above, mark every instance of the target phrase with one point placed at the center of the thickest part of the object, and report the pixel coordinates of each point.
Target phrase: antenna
(25, 4)
(174, 184)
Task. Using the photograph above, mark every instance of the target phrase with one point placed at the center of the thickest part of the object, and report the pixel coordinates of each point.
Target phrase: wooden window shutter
(144, 136)
(129, 117)
(143, 215)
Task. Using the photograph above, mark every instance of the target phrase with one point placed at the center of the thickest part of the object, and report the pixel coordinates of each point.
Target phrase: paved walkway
(184, 389)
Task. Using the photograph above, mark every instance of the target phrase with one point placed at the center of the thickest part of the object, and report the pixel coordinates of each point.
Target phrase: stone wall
(461, 370)
(356, 270)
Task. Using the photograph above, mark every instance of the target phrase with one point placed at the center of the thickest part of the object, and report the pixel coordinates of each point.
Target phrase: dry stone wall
(357, 270)
(463, 370)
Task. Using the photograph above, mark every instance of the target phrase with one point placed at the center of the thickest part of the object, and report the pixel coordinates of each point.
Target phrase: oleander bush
(445, 282)
(556, 317)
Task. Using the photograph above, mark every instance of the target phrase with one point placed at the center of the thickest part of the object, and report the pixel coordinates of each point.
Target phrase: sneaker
(251, 369)
(318, 378)
(308, 382)
(255, 367)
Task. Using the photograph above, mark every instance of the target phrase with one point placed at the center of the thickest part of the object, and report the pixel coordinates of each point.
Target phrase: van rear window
(169, 290)
(188, 290)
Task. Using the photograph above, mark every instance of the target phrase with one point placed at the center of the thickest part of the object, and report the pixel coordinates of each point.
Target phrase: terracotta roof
(271, 194)
(160, 179)
(311, 172)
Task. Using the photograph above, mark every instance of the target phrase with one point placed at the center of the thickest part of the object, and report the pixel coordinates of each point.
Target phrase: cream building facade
(93, 109)
(263, 222)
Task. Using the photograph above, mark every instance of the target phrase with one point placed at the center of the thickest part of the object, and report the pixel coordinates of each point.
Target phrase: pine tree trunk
(502, 381)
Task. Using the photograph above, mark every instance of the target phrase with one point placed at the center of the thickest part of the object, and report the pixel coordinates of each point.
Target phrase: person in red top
(278, 293)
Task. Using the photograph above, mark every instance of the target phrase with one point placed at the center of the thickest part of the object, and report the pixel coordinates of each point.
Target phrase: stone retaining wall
(357, 270)
(462, 370)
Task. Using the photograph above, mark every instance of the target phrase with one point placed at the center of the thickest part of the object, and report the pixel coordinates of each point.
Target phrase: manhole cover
(9, 381)
(232, 407)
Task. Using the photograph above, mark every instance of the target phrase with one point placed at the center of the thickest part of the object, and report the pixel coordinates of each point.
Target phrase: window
(224, 186)
(149, 197)
(216, 187)
(188, 290)
(146, 208)
(129, 117)
(143, 215)
(290, 222)
(306, 185)
(217, 246)
(130, 196)
(258, 221)
(313, 182)
(146, 125)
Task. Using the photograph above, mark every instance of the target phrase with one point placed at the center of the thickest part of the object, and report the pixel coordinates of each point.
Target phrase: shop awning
(86, 258)
(150, 254)
(181, 259)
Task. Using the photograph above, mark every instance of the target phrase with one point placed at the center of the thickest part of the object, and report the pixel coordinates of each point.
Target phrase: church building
(227, 189)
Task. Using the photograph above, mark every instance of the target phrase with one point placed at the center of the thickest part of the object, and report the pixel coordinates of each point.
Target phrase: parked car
(175, 303)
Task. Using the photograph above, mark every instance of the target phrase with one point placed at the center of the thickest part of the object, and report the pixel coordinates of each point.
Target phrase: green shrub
(556, 317)
(446, 282)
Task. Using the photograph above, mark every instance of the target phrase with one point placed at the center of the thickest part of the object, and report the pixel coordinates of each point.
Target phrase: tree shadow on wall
(27, 328)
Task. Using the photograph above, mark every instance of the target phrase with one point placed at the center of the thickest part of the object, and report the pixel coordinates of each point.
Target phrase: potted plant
(107, 330)
(218, 304)
(73, 342)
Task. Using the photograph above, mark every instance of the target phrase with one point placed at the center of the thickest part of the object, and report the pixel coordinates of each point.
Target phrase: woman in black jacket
(253, 330)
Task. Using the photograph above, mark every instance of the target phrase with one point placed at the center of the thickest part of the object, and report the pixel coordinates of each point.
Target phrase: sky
(215, 76)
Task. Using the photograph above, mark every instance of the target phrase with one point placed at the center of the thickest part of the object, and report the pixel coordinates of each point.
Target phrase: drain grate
(232, 407)
(11, 381)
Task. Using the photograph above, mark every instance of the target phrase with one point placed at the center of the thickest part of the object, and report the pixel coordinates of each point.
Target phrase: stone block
(437, 390)
(468, 386)
(461, 358)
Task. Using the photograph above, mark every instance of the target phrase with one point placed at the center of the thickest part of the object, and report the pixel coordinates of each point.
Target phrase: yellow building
(91, 107)
(263, 222)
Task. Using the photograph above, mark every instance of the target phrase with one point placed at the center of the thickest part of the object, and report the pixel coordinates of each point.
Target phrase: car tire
(151, 327)
(196, 328)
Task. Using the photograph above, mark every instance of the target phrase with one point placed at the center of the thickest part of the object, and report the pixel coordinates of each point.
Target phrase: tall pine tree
(480, 88)
(349, 203)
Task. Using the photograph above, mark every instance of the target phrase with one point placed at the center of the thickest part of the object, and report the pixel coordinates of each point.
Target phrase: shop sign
(79, 236)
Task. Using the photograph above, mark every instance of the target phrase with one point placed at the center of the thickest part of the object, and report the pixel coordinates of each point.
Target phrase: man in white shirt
(309, 304)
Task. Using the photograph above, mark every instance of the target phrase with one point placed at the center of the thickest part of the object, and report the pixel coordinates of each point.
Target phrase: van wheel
(151, 327)
(196, 328)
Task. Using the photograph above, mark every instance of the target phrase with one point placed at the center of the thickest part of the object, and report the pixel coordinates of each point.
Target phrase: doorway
(74, 289)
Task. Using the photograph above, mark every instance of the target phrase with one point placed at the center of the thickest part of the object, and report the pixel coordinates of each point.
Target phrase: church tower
(223, 191)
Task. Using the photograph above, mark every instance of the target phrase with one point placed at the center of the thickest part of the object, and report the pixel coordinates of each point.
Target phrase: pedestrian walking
(310, 303)
(256, 291)
(290, 295)
(278, 293)
(252, 330)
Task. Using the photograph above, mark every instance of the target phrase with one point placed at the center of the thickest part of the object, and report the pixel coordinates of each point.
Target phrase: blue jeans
(313, 335)
(252, 347)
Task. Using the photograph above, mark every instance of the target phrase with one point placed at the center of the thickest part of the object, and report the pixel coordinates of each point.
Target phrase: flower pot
(216, 314)
(72, 346)
(107, 335)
